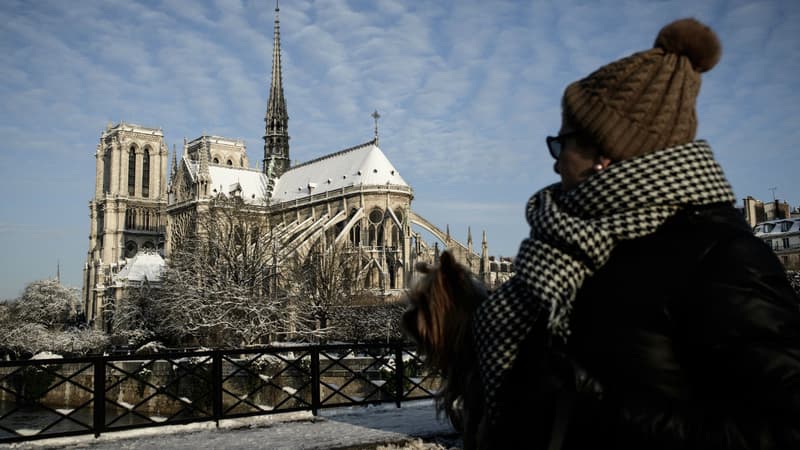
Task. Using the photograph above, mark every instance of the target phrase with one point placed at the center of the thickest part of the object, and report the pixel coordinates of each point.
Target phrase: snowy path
(333, 428)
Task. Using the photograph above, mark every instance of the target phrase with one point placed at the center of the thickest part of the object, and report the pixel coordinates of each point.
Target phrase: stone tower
(127, 212)
(276, 133)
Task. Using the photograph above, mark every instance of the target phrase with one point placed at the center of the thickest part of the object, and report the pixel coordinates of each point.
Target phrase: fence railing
(92, 395)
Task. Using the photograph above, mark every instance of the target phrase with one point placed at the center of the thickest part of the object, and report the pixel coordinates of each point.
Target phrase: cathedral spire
(276, 133)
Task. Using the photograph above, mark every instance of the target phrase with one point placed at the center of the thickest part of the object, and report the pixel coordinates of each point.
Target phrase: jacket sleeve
(743, 345)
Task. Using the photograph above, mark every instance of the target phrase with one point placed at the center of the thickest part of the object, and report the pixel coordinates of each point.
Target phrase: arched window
(131, 249)
(146, 173)
(396, 236)
(216, 160)
(230, 163)
(131, 170)
(107, 172)
(372, 236)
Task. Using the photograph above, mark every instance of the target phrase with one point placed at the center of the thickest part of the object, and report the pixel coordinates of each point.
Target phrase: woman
(664, 323)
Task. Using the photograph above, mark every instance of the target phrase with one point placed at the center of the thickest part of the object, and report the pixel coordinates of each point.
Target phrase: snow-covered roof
(361, 165)
(225, 179)
(144, 265)
(778, 226)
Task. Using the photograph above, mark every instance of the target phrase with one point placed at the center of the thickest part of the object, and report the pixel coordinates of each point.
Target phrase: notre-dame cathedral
(353, 197)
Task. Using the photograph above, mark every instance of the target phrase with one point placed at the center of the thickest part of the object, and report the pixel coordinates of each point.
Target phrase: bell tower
(127, 212)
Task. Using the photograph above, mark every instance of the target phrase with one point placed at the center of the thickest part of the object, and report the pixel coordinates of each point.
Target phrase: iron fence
(92, 395)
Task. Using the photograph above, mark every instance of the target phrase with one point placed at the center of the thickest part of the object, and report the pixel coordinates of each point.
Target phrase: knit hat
(646, 101)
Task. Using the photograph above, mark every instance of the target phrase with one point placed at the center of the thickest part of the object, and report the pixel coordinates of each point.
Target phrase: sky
(466, 90)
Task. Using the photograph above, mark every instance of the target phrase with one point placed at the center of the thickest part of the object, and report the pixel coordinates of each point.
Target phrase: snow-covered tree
(134, 318)
(48, 303)
(216, 287)
(327, 278)
(42, 319)
(371, 322)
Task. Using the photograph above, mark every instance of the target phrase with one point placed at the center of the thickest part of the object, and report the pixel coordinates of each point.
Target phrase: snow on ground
(375, 427)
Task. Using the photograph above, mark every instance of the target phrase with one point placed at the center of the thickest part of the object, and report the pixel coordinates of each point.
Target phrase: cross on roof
(376, 116)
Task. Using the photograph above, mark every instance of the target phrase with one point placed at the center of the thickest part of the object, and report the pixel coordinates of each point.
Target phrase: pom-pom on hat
(646, 101)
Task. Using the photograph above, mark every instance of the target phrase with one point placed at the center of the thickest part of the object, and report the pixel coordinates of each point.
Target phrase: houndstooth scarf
(572, 236)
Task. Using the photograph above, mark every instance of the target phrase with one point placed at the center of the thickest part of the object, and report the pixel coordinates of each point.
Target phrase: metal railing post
(99, 406)
(315, 380)
(216, 385)
(399, 370)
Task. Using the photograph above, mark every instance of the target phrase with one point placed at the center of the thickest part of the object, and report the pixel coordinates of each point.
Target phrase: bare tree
(326, 279)
(135, 316)
(216, 287)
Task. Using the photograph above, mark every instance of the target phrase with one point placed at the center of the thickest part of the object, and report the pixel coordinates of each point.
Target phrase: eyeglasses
(556, 143)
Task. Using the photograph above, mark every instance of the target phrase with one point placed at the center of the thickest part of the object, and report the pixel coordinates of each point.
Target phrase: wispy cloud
(467, 90)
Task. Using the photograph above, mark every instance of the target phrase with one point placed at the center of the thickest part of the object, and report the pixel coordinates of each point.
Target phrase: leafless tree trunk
(326, 279)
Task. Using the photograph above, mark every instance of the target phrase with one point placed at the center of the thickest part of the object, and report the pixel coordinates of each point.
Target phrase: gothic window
(376, 216)
(230, 163)
(392, 274)
(380, 242)
(355, 235)
(107, 172)
(131, 170)
(130, 249)
(216, 160)
(100, 222)
(396, 236)
(146, 173)
(372, 236)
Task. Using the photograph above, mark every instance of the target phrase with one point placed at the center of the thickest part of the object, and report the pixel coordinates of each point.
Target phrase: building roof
(777, 227)
(364, 164)
(226, 179)
(144, 265)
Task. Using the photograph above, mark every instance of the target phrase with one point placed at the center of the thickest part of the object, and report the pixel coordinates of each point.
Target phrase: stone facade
(353, 198)
(128, 212)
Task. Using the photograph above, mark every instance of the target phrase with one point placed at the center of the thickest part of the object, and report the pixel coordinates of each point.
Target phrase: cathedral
(353, 198)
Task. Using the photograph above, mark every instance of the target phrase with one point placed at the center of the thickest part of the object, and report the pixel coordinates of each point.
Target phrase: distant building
(783, 236)
(755, 211)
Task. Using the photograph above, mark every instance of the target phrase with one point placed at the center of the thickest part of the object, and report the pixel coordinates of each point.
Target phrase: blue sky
(467, 91)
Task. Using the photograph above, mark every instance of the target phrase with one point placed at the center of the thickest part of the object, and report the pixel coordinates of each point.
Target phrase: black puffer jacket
(694, 334)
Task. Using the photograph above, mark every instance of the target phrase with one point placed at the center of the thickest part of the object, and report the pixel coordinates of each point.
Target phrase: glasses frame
(555, 144)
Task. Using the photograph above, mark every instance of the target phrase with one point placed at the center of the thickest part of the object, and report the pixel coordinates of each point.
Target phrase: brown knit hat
(646, 101)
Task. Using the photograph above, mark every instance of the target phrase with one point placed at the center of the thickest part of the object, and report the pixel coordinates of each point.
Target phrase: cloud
(467, 90)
